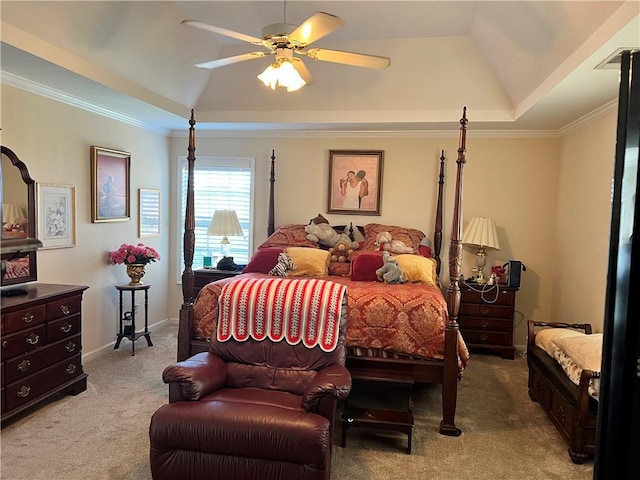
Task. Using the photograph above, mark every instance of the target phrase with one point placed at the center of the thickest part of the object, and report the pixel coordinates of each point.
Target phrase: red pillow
(410, 236)
(263, 260)
(364, 266)
(425, 251)
(288, 236)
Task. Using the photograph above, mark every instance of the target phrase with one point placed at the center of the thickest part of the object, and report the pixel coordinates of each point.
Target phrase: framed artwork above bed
(355, 181)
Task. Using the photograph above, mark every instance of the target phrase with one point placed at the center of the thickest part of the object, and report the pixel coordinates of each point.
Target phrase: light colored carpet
(103, 432)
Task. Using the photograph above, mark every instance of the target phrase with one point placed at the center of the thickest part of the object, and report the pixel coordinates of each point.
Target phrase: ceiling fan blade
(315, 27)
(348, 58)
(224, 31)
(221, 62)
(302, 69)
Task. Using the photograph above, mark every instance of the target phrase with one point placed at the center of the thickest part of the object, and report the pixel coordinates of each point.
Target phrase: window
(219, 183)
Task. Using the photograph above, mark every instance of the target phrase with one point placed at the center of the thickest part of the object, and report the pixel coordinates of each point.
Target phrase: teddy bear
(323, 234)
(390, 272)
(341, 252)
(385, 242)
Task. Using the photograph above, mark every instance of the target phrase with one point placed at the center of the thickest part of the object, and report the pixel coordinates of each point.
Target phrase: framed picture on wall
(56, 214)
(148, 212)
(110, 183)
(355, 181)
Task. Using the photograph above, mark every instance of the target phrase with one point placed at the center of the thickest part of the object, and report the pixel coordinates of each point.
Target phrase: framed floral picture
(148, 212)
(56, 215)
(355, 181)
(110, 182)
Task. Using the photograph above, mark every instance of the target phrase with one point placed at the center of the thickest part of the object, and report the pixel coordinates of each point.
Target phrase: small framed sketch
(149, 212)
(56, 215)
(355, 181)
(110, 182)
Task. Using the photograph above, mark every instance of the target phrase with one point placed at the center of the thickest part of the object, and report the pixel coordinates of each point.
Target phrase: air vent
(613, 60)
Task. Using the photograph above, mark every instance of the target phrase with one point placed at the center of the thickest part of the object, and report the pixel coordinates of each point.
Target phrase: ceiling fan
(283, 40)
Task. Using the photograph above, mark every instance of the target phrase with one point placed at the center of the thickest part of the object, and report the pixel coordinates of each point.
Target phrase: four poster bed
(420, 339)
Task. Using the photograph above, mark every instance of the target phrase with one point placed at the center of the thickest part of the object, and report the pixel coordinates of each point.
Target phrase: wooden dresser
(41, 346)
(486, 317)
(204, 276)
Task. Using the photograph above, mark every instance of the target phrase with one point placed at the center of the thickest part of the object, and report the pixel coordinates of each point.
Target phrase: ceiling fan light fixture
(282, 74)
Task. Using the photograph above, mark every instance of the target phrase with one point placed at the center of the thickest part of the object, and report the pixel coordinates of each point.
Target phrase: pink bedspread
(407, 319)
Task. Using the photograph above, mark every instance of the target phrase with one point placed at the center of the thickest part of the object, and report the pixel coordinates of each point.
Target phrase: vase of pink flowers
(136, 258)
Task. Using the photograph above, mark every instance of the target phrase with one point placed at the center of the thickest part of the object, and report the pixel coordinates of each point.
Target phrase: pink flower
(129, 254)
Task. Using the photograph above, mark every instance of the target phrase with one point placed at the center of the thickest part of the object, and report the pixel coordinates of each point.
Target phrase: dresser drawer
(63, 328)
(27, 364)
(486, 338)
(64, 308)
(29, 317)
(34, 386)
(479, 323)
(23, 341)
(484, 310)
(488, 296)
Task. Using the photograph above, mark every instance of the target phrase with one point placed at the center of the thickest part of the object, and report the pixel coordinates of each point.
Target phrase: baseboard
(101, 350)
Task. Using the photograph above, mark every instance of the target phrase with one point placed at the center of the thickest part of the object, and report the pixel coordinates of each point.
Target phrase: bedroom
(551, 201)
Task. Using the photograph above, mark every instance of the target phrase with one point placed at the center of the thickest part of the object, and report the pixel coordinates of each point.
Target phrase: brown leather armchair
(250, 409)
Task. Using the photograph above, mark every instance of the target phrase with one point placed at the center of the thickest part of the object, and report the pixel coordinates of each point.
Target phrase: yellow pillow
(311, 262)
(417, 268)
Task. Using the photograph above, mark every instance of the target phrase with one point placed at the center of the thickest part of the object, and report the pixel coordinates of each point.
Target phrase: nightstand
(486, 317)
(204, 276)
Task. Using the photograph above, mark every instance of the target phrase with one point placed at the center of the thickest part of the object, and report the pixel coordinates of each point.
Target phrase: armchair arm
(334, 380)
(197, 376)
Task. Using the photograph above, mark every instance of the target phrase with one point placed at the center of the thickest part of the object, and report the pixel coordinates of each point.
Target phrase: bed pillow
(340, 269)
(417, 268)
(410, 236)
(364, 266)
(546, 337)
(310, 262)
(263, 260)
(289, 236)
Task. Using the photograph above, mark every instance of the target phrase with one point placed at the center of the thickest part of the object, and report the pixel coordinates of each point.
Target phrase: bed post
(272, 179)
(186, 311)
(437, 235)
(450, 380)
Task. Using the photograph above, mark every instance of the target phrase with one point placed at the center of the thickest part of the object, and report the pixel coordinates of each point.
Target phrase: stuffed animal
(284, 265)
(390, 272)
(323, 234)
(319, 219)
(341, 253)
(385, 242)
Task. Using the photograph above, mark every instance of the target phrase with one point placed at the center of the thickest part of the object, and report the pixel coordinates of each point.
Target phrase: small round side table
(131, 333)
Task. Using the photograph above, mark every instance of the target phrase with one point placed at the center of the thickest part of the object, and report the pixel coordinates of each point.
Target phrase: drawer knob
(70, 347)
(484, 311)
(24, 391)
(28, 318)
(71, 368)
(33, 339)
(484, 338)
(24, 365)
(4, 344)
(66, 328)
(64, 309)
(484, 324)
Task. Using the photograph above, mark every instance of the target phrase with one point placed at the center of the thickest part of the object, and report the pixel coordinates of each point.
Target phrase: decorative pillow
(288, 236)
(364, 266)
(425, 251)
(410, 236)
(263, 260)
(417, 268)
(340, 269)
(311, 262)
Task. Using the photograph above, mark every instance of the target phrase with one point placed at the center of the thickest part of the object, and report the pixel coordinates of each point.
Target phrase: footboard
(570, 407)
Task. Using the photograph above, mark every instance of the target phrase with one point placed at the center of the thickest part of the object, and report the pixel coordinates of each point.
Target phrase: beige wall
(546, 196)
(53, 140)
(583, 223)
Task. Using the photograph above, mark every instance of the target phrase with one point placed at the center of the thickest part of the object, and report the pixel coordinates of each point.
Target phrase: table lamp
(481, 232)
(225, 223)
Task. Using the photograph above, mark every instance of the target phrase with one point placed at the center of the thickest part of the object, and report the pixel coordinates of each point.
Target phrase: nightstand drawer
(488, 296)
(484, 310)
(486, 338)
(491, 324)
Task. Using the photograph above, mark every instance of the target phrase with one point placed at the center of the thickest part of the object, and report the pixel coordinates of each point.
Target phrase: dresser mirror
(19, 241)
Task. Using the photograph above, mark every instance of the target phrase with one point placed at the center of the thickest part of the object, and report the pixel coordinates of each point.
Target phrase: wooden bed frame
(445, 372)
(570, 407)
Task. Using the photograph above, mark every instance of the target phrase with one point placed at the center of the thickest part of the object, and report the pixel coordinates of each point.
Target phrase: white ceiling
(517, 66)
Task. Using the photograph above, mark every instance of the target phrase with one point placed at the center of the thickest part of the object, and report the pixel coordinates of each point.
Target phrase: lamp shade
(11, 213)
(225, 223)
(481, 232)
